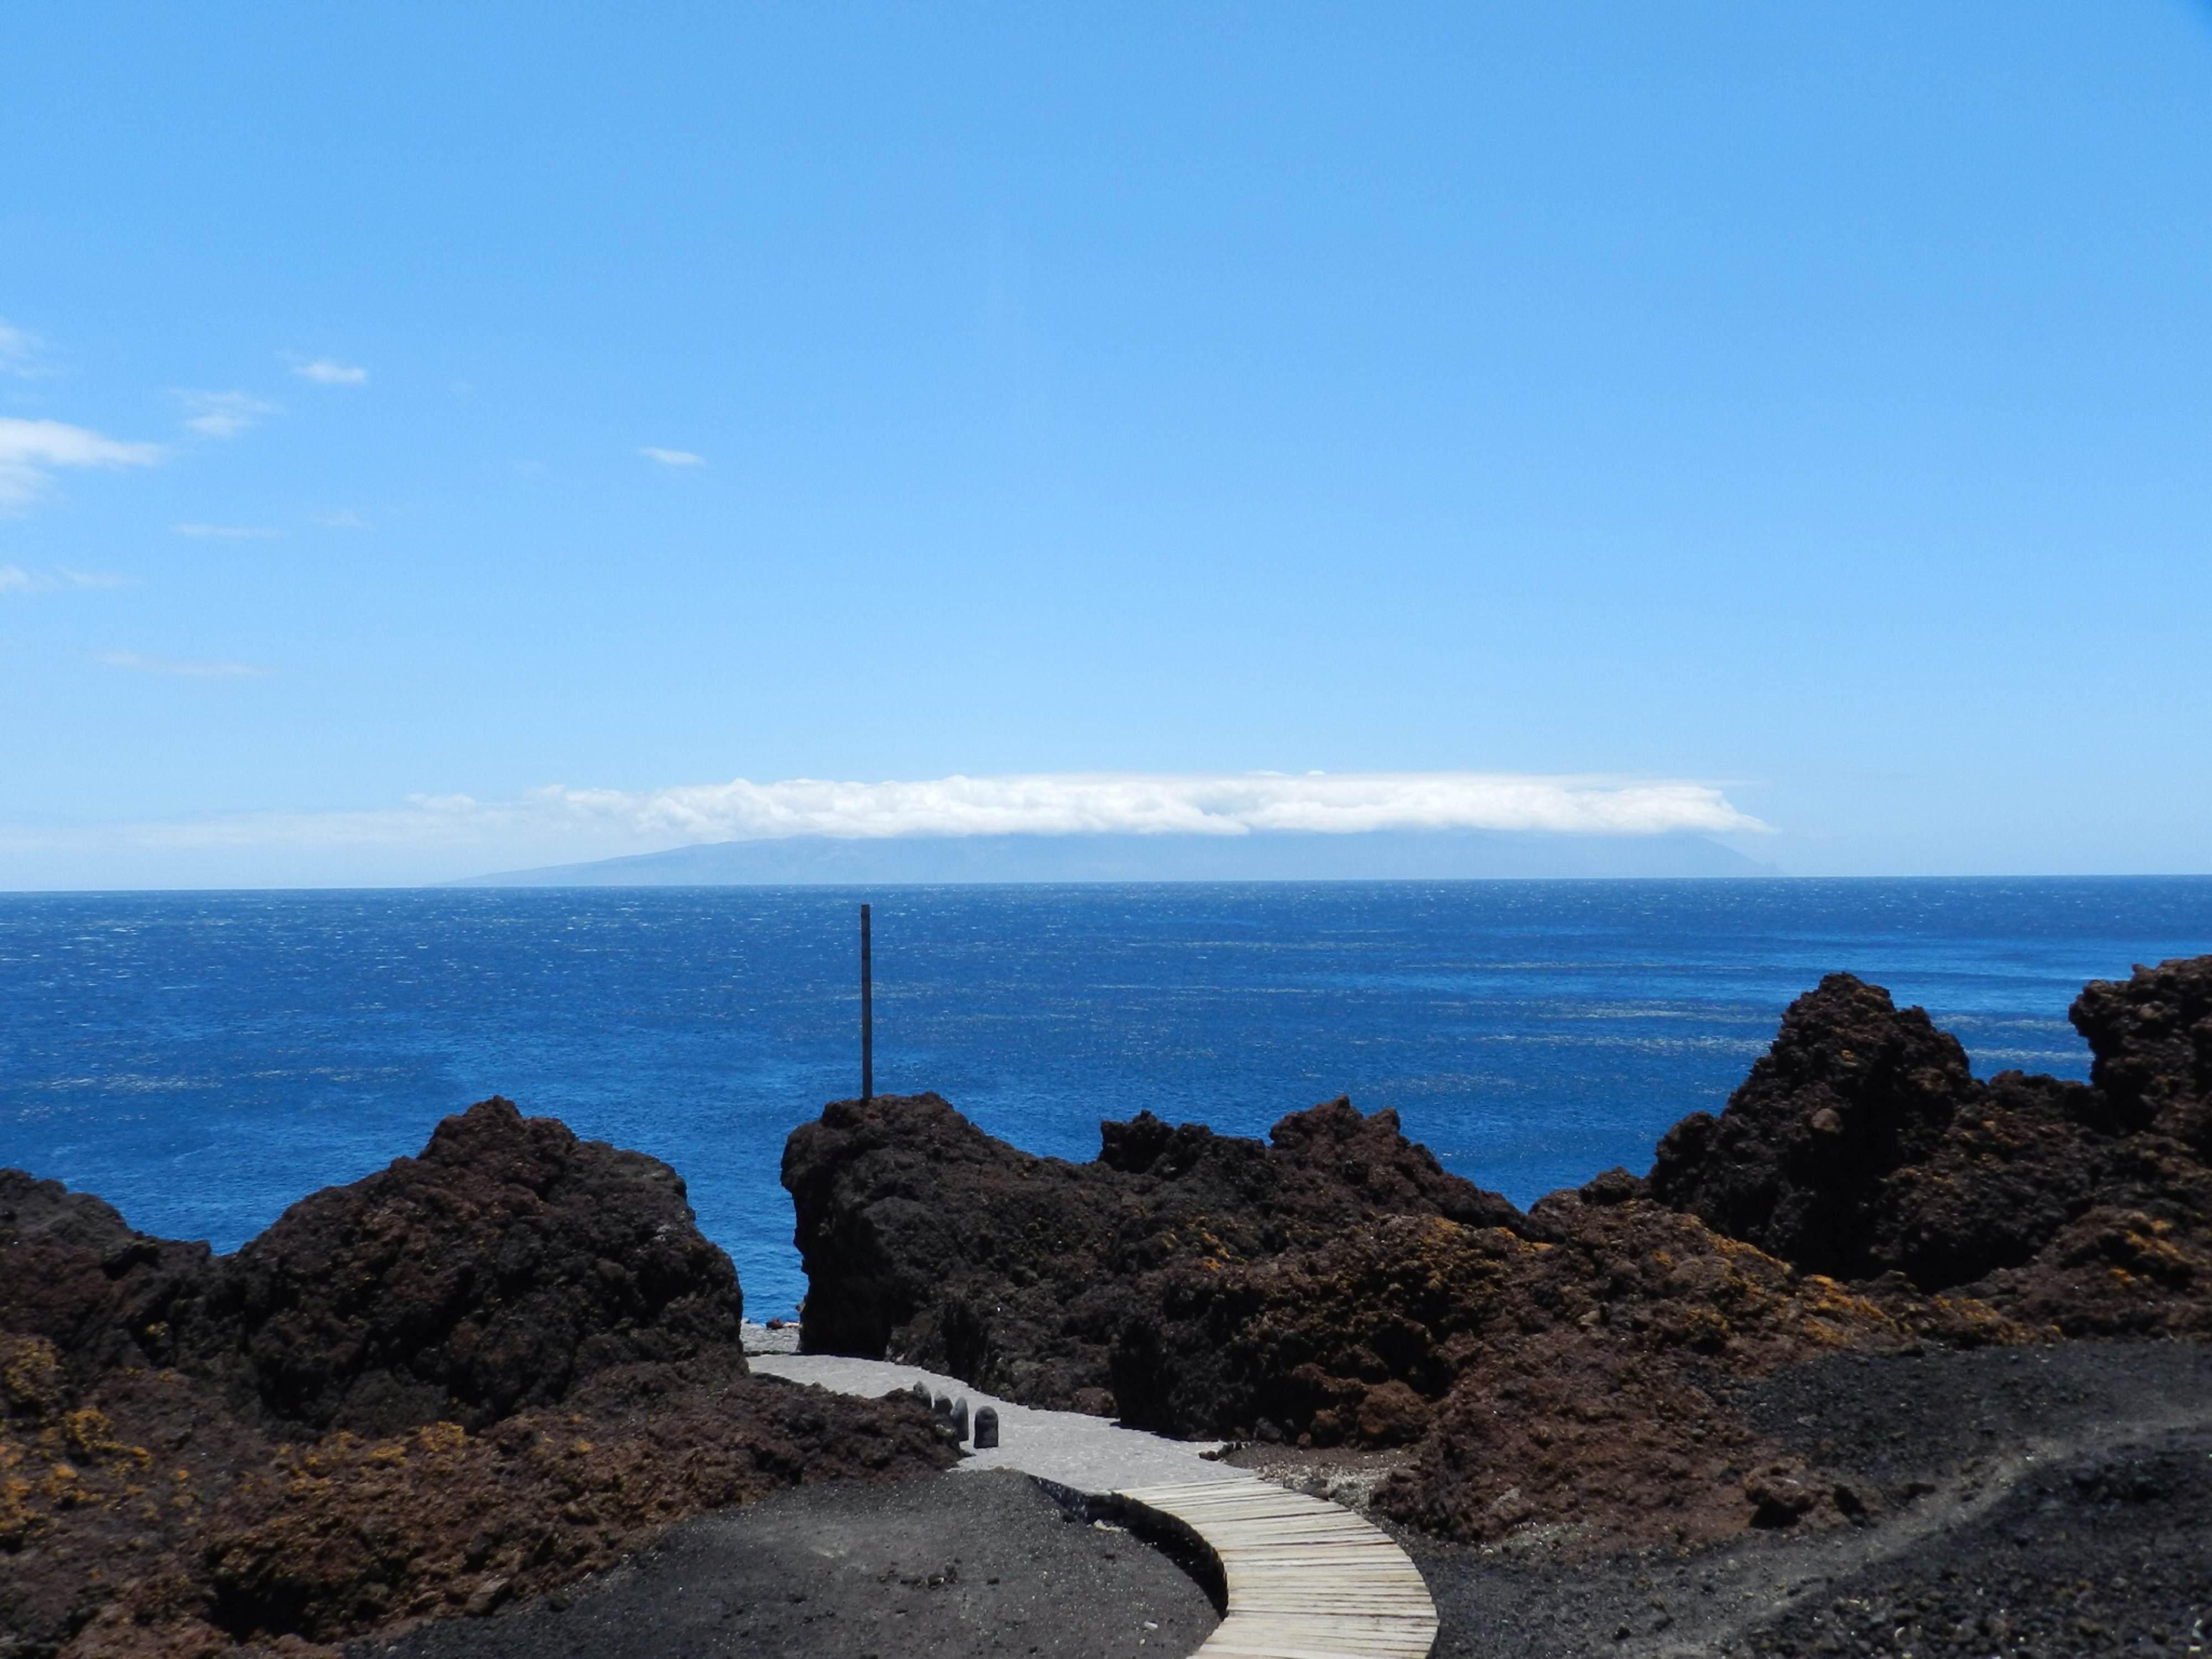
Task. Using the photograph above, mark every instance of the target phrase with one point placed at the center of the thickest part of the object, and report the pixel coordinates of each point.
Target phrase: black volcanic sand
(2046, 1502)
(944, 1566)
(2042, 1501)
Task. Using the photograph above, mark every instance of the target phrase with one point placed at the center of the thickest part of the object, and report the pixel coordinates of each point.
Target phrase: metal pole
(867, 1015)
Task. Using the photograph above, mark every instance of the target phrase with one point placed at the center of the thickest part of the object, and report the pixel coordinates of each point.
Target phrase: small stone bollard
(986, 1429)
(960, 1419)
(920, 1393)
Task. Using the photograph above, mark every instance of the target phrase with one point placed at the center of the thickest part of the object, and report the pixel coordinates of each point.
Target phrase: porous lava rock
(1558, 1379)
(1851, 1090)
(1586, 1400)
(484, 1371)
(927, 1240)
(1333, 1288)
(504, 1264)
(1863, 1191)
(78, 1275)
(2152, 1037)
(1861, 1146)
(1359, 1338)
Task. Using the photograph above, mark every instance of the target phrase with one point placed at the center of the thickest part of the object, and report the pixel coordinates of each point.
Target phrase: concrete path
(1306, 1578)
(1085, 1454)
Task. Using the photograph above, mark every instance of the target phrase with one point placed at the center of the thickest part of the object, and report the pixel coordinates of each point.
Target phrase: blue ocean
(202, 1060)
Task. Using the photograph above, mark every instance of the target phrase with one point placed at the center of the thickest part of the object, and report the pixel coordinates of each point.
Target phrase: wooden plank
(1278, 1641)
(1397, 1629)
(1233, 1636)
(1287, 1643)
(1319, 1634)
(1293, 1647)
(1281, 1536)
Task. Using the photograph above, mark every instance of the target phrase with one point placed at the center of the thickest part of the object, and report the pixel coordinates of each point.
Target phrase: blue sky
(1807, 406)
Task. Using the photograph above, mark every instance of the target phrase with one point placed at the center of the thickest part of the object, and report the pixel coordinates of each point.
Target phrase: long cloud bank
(1145, 804)
(1038, 803)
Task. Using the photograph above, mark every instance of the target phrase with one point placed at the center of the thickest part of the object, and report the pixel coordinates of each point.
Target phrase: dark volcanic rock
(2152, 1037)
(494, 1272)
(1969, 1212)
(925, 1238)
(1542, 1382)
(529, 1352)
(1352, 1338)
(1584, 1394)
(143, 1515)
(76, 1274)
(1359, 1338)
(2038, 1503)
(1861, 1146)
(37, 1214)
(1862, 1192)
(343, 1535)
(1851, 1090)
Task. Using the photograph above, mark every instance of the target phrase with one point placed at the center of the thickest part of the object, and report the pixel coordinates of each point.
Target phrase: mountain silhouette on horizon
(933, 861)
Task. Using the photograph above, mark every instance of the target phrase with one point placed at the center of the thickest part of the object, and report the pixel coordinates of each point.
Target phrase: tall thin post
(867, 1015)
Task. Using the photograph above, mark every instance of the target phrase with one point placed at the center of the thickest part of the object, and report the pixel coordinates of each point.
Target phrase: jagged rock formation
(80, 1276)
(2019, 1209)
(1861, 1146)
(2152, 1037)
(504, 1265)
(1851, 1091)
(530, 1351)
(1862, 1190)
(927, 1239)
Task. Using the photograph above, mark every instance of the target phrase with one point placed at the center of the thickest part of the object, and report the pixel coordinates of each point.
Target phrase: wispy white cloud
(182, 668)
(14, 578)
(227, 532)
(31, 450)
(344, 518)
(672, 457)
(18, 351)
(324, 371)
(223, 413)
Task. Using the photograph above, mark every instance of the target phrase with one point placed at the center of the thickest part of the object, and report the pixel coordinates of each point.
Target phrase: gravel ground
(2043, 1502)
(2046, 1502)
(945, 1566)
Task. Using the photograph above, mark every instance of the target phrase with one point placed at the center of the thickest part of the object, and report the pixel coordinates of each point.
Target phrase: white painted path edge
(1307, 1578)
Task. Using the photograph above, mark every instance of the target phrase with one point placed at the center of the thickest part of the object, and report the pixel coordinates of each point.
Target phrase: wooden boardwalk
(1306, 1578)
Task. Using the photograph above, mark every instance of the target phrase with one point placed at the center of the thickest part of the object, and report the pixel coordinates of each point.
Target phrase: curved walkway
(1305, 1578)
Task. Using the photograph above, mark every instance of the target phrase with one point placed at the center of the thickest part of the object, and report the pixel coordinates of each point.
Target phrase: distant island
(1380, 855)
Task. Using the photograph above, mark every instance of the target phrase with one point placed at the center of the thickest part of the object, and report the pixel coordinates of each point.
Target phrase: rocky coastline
(1563, 1368)
(499, 1366)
